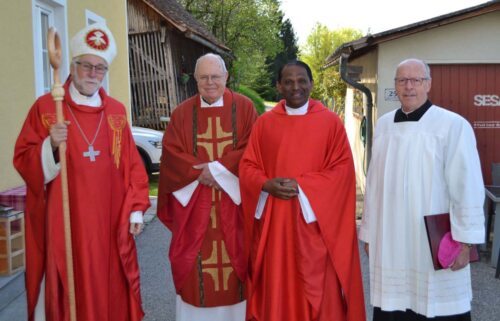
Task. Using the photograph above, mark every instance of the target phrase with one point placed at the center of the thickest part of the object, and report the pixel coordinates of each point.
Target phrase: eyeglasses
(207, 78)
(88, 67)
(413, 81)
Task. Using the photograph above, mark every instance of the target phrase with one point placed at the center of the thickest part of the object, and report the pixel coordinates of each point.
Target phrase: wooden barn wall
(473, 91)
(185, 56)
(159, 56)
(141, 18)
(149, 80)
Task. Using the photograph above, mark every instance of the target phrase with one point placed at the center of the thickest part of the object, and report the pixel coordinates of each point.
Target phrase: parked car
(148, 142)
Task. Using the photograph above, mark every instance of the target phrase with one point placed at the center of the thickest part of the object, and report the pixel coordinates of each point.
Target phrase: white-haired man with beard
(108, 192)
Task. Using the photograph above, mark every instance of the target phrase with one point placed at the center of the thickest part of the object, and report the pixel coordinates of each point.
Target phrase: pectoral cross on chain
(91, 153)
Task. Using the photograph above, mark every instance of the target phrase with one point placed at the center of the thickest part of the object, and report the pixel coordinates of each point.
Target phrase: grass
(153, 184)
(258, 102)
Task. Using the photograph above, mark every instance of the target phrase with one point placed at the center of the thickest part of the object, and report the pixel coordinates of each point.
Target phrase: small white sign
(390, 94)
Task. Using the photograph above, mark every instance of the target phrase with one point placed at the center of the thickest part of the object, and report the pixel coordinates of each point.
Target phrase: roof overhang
(361, 46)
(191, 33)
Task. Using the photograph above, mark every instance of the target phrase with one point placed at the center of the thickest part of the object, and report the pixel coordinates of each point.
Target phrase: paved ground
(157, 288)
(159, 295)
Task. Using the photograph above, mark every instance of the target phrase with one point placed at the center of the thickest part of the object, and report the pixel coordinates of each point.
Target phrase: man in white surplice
(424, 162)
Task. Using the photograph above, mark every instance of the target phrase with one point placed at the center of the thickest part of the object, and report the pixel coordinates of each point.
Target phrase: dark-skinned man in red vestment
(199, 198)
(108, 192)
(298, 195)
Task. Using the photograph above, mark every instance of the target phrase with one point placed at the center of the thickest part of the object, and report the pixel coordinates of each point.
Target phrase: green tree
(290, 51)
(321, 43)
(249, 27)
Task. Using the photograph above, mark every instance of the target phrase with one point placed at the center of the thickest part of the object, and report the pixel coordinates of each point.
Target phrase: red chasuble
(102, 195)
(207, 235)
(299, 271)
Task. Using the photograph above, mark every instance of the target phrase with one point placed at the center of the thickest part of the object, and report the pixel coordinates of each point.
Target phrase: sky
(366, 15)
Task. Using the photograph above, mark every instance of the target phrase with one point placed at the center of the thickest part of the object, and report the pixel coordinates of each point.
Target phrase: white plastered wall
(475, 40)
(352, 123)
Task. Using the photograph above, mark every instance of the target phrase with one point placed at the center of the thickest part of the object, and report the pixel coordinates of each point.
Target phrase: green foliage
(321, 43)
(264, 86)
(289, 52)
(258, 102)
(249, 27)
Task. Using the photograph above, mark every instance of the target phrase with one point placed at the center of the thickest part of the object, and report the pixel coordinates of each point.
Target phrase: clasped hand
(206, 178)
(281, 187)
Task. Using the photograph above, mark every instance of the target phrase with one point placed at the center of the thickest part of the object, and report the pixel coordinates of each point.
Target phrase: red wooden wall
(472, 91)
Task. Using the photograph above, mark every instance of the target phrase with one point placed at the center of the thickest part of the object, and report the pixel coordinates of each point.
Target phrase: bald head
(416, 62)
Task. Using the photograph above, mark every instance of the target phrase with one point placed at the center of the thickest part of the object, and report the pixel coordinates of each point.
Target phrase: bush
(254, 97)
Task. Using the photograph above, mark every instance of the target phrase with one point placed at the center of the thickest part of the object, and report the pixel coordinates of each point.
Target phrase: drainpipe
(369, 102)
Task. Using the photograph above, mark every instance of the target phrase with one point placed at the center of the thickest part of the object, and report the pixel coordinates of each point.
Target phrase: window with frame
(46, 14)
(45, 19)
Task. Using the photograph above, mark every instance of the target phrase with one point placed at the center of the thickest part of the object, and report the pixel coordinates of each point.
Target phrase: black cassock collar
(415, 115)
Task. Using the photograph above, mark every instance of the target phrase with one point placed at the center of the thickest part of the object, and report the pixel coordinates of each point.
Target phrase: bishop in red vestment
(108, 189)
(199, 199)
(298, 195)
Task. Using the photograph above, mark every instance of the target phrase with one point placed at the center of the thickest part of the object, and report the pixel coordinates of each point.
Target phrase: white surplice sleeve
(137, 217)
(226, 180)
(49, 166)
(307, 210)
(184, 194)
(465, 184)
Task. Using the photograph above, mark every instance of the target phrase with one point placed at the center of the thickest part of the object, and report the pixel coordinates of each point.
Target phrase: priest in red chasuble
(298, 195)
(199, 197)
(108, 192)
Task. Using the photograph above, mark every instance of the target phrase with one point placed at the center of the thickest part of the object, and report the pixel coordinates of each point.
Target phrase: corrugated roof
(183, 21)
(365, 44)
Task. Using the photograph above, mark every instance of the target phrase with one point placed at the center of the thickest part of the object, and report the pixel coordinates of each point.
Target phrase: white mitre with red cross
(95, 39)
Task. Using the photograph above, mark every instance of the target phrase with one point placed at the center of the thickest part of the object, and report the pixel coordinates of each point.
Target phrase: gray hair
(427, 69)
(218, 58)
